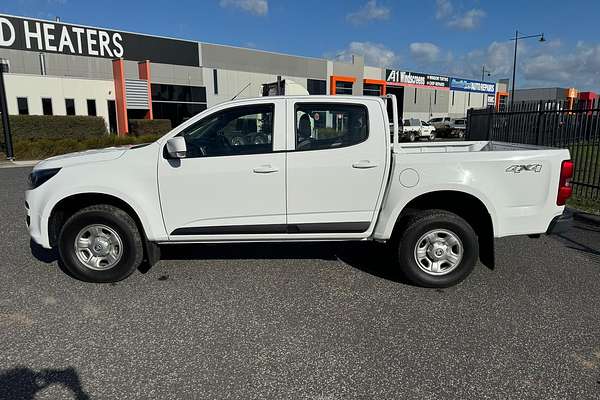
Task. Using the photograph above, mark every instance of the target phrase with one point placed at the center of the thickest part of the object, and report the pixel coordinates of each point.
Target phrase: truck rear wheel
(100, 243)
(436, 248)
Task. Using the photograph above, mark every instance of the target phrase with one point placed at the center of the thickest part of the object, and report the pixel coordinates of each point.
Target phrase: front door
(232, 181)
(336, 170)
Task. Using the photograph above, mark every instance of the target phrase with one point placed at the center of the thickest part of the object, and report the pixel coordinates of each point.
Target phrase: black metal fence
(574, 126)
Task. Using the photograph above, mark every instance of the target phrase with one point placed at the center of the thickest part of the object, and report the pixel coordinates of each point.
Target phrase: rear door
(336, 165)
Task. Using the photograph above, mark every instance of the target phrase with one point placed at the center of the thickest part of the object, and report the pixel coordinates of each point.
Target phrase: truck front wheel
(436, 248)
(100, 243)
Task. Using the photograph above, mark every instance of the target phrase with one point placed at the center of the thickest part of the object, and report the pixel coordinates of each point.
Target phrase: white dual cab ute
(327, 171)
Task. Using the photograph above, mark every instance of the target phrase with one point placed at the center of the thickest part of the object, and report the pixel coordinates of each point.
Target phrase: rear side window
(330, 125)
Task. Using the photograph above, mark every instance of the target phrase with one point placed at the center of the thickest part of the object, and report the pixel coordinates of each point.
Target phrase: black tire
(411, 137)
(114, 218)
(432, 137)
(422, 222)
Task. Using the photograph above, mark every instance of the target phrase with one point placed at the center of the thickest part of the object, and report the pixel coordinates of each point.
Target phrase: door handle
(364, 164)
(265, 169)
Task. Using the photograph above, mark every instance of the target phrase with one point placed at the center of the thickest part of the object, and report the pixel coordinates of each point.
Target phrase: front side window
(234, 131)
(329, 126)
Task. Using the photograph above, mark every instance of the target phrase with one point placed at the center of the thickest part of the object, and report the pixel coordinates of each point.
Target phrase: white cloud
(256, 7)
(443, 9)
(424, 52)
(375, 54)
(578, 68)
(552, 64)
(371, 11)
(467, 20)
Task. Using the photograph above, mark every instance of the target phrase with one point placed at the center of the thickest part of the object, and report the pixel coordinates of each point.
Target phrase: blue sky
(453, 37)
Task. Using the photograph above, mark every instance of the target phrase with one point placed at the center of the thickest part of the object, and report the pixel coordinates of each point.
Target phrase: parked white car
(440, 122)
(328, 171)
(413, 129)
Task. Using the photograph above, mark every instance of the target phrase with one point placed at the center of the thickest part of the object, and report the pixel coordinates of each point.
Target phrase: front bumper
(33, 208)
(561, 223)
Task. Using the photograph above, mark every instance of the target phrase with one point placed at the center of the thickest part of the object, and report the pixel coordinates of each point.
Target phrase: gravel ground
(299, 321)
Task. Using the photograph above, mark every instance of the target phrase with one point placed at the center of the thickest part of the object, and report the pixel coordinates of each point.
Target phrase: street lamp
(484, 71)
(4, 110)
(516, 39)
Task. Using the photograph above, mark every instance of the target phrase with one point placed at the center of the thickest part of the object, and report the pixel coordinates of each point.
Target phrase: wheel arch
(70, 204)
(467, 206)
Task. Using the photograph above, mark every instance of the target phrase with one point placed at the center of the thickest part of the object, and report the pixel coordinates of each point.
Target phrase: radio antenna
(240, 92)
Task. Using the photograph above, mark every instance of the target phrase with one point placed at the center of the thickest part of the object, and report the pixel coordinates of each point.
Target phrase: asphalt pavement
(298, 321)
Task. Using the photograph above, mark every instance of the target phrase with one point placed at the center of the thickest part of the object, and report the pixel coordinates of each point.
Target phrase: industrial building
(55, 68)
(569, 96)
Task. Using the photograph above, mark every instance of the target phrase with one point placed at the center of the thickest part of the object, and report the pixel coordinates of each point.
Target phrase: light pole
(484, 71)
(516, 39)
(4, 110)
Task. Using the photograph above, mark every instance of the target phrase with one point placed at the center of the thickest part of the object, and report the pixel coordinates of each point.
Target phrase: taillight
(565, 190)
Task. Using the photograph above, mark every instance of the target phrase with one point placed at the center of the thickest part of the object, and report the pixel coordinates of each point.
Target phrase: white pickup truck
(413, 129)
(327, 172)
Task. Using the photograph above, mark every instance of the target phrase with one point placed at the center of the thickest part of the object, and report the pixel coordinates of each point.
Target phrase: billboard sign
(416, 79)
(56, 37)
(467, 85)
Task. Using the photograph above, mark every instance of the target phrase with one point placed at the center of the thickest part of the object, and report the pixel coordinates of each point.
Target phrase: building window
(91, 107)
(469, 100)
(435, 97)
(23, 106)
(70, 106)
(177, 102)
(415, 95)
(453, 98)
(371, 89)
(316, 86)
(178, 93)
(215, 81)
(47, 106)
(342, 87)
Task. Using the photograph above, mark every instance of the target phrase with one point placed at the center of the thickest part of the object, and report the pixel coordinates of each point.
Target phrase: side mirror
(176, 147)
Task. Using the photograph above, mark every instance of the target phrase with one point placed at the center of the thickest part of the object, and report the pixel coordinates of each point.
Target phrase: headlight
(37, 178)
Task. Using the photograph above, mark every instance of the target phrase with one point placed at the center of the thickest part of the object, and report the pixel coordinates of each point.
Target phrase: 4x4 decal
(517, 169)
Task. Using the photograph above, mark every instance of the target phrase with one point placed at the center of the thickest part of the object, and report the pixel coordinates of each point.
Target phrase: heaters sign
(54, 37)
